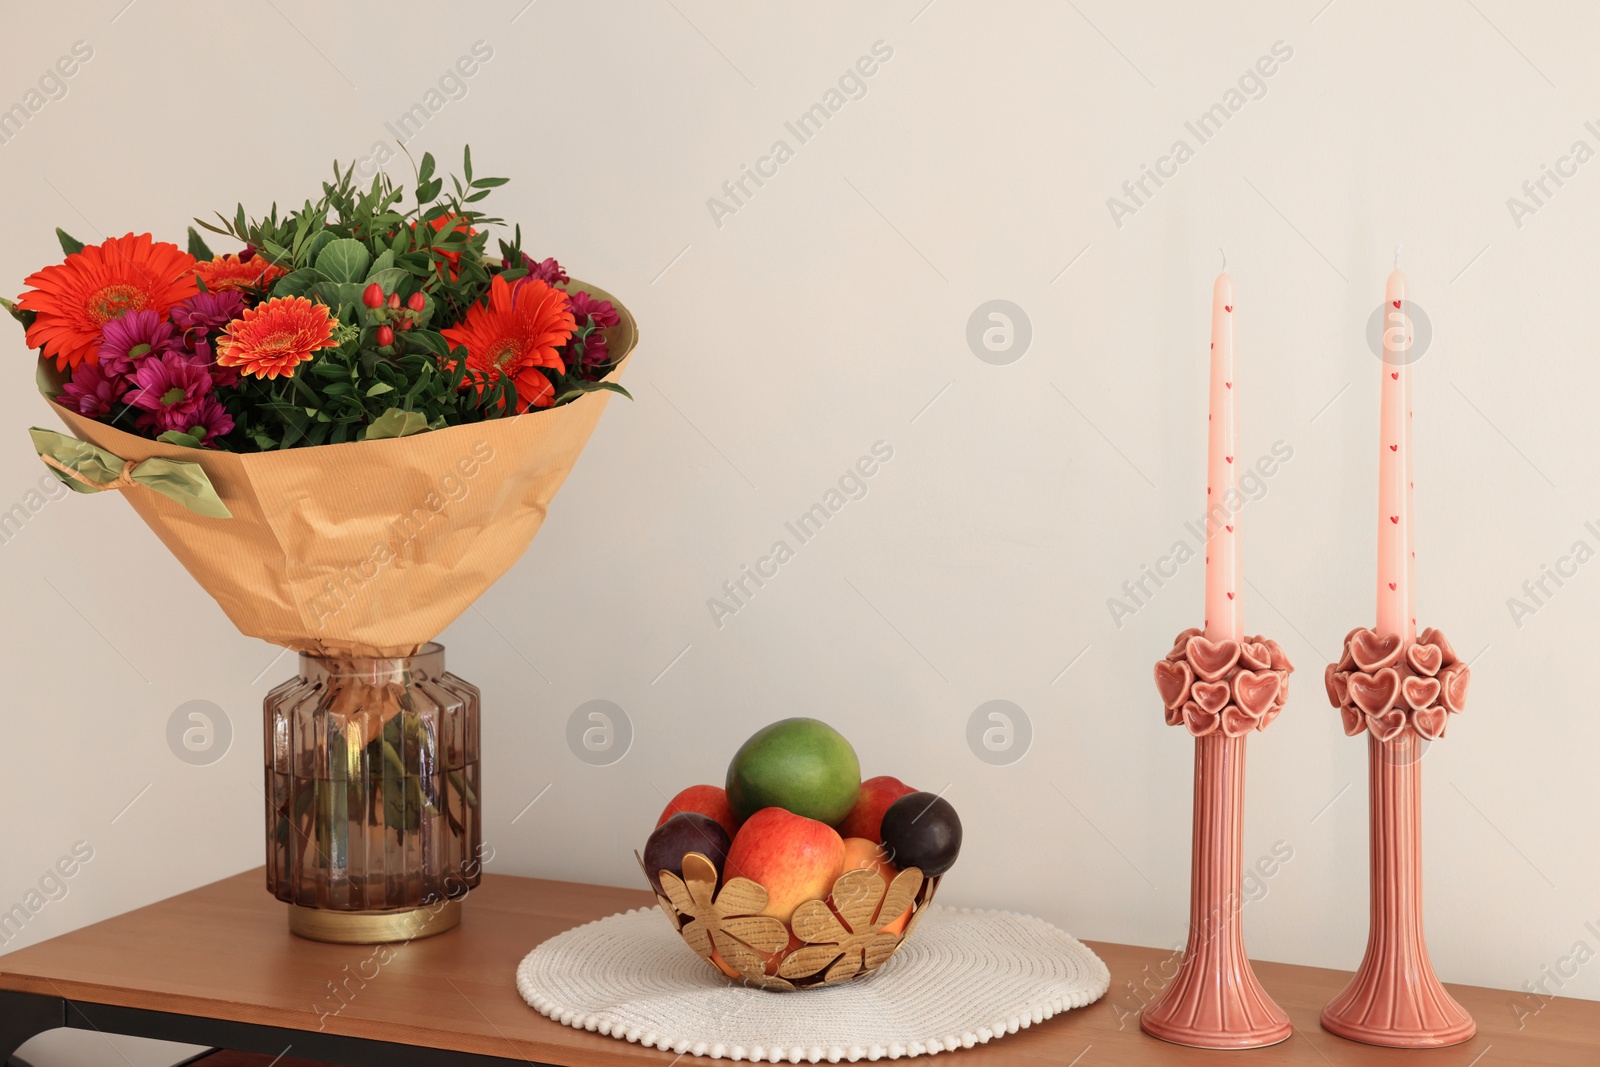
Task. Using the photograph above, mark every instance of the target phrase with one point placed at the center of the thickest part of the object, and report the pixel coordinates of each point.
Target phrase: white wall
(823, 317)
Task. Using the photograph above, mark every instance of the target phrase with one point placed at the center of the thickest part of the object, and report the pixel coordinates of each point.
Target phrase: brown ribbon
(123, 480)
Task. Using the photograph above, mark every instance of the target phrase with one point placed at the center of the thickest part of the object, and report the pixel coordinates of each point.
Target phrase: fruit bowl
(851, 934)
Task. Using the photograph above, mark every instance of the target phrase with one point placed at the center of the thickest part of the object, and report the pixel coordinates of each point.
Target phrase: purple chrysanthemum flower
(169, 389)
(92, 391)
(548, 271)
(207, 421)
(127, 339)
(600, 311)
(203, 313)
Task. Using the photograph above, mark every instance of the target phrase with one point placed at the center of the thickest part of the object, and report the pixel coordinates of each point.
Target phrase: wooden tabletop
(224, 951)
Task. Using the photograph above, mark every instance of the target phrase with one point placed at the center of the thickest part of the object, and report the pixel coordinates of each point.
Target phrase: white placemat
(963, 978)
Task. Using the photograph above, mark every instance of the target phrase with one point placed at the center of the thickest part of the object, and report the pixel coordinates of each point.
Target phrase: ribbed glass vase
(373, 824)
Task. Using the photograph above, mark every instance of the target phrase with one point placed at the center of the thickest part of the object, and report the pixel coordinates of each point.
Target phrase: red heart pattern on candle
(1255, 692)
(1388, 726)
(1227, 307)
(1231, 686)
(1419, 685)
(1430, 722)
(1395, 519)
(1173, 678)
(1391, 588)
(1211, 659)
(1453, 686)
(1211, 696)
(1396, 376)
(1372, 652)
(1425, 659)
(1228, 384)
(1394, 448)
(1375, 693)
(1397, 303)
(1420, 692)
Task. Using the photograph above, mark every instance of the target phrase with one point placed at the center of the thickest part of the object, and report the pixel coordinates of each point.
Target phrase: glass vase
(373, 824)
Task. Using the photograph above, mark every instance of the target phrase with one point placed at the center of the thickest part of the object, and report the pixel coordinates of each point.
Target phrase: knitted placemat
(963, 978)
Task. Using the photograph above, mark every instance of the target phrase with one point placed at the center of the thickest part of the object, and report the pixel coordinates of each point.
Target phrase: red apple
(859, 853)
(794, 858)
(866, 818)
(709, 800)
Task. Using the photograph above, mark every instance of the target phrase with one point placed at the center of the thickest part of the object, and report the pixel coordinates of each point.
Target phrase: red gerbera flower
(76, 298)
(232, 272)
(516, 333)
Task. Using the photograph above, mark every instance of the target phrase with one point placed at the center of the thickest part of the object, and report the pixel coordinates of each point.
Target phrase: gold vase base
(373, 927)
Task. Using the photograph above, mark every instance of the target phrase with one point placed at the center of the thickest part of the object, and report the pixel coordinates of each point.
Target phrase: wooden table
(217, 966)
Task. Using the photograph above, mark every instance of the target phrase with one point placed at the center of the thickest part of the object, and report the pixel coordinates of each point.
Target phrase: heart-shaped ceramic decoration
(1236, 722)
(1346, 660)
(1255, 691)
(1425, 659)
(1211, 696)
(1453, 686)
(1375, 693)
(1172, 680)
(1181, 645)
(1355, 720)
(1420, 692)
(1388, 726)
(1211, 659)
(1338, 683)
(1430, 722)
(1431, 636)
(1371, 652)
(1199, 721)
(1255, 654)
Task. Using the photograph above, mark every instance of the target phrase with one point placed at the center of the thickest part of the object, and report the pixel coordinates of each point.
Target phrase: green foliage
(69, 244)
(332, 249)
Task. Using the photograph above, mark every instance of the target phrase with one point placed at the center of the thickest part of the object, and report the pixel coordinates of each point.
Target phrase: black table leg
(26, 1015)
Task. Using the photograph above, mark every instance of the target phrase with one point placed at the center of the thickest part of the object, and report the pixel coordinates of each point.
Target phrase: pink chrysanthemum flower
(133, 335)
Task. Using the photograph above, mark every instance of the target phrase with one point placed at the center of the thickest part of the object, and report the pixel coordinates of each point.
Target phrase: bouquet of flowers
(346, 429)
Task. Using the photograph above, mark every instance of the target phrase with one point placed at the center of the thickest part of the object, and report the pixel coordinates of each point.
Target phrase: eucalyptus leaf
(396, 423)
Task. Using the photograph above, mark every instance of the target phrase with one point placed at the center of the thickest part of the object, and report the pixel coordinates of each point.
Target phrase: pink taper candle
(1394, 468)
(1223, 621)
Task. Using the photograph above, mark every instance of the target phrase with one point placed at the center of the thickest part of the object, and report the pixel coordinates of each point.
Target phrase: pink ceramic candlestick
(1395, 999)
(1222, 477)
(1221, 685)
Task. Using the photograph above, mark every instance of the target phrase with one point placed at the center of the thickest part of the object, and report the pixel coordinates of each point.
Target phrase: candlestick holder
(1401, 694)
(1219, 691)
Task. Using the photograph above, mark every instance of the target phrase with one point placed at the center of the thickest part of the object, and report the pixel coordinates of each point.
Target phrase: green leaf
(466, 162)
(489, 183)
(322, 240)
(385, 261)
(426, 170)
(580, 388)
(24, 317)
(298, 282)
(197, 246)
(51, 381)
(389, 279)
(379, 388)
(344, 260)
(178, 437)
(338, 294)
(396, 423)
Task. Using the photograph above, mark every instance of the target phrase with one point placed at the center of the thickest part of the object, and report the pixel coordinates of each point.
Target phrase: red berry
(405, 324)
(385, 336)
(416, 302)
(394, 299)
(373, 297)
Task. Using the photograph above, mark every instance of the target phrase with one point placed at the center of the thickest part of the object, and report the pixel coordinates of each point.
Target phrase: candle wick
(1224, 257)
(1397, 249)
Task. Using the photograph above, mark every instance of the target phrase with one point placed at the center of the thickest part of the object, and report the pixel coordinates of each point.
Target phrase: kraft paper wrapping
(369, 548)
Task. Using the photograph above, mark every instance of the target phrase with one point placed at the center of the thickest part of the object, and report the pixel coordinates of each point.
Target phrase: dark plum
(685, 832)
(922, 830)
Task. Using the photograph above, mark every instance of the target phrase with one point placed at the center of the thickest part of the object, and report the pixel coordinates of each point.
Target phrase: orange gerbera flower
(514, 335)
(230, 272)
(276, 336)
(76, 298)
